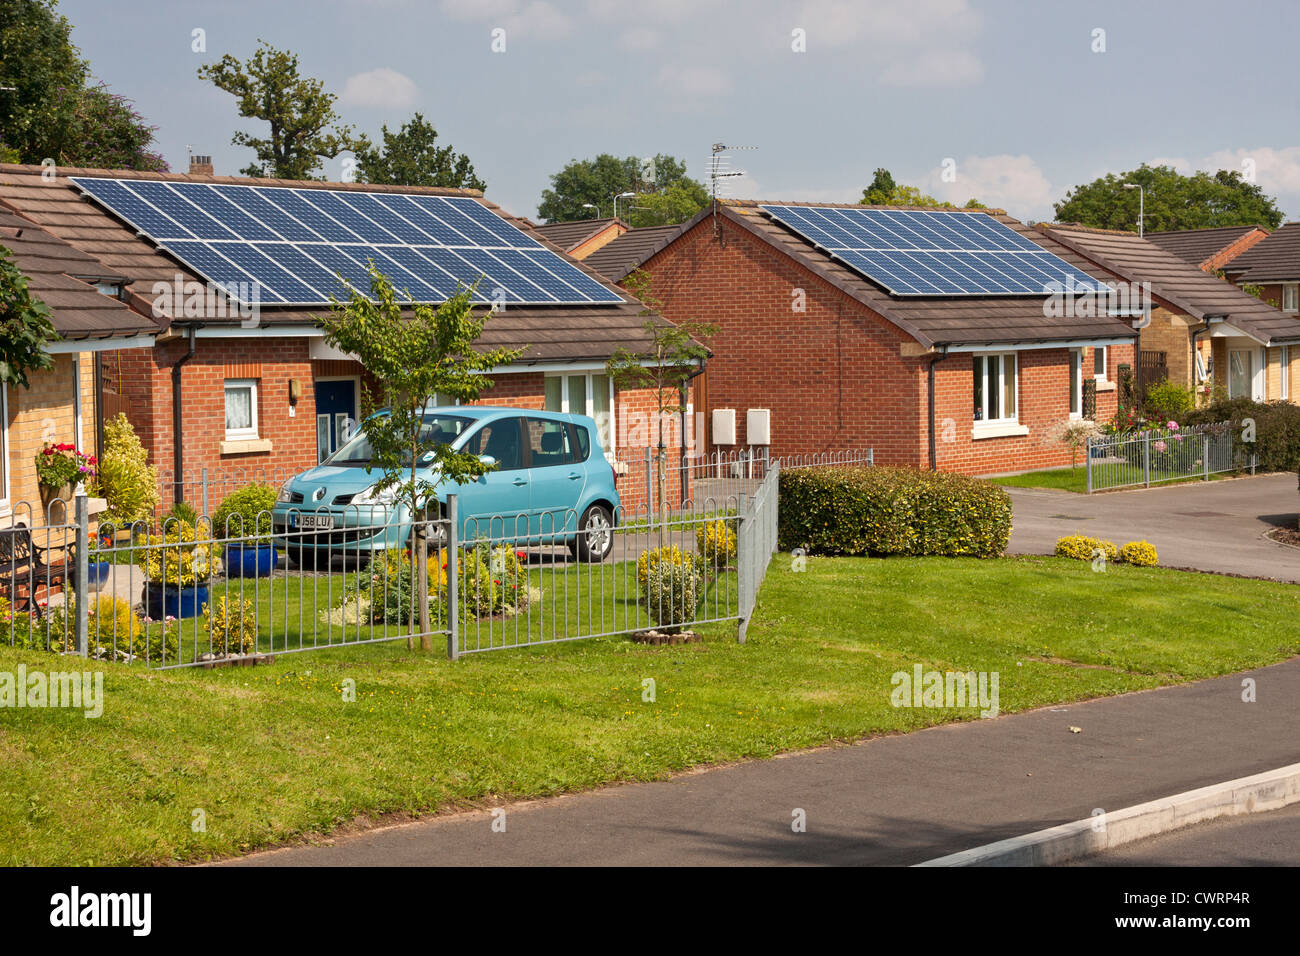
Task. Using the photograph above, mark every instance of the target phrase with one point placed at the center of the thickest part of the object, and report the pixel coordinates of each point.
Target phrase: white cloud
(1274, 170)
(921, 43)
(1013, 183)
(382, 87)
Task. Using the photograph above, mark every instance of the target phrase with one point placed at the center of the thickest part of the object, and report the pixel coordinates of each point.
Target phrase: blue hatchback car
(551, 484)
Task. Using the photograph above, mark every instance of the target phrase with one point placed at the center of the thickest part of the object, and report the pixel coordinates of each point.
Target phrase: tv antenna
(720, 171)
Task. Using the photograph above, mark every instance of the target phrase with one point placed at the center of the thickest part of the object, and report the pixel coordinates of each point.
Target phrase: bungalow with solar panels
(242, 383)
(62, 403)
(1203, 331)
(926, 334)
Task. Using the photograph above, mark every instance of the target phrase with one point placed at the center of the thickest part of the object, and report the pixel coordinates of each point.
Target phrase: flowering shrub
(124, 478)
(666, 554)
(1082, 548)
(181, 557)
(673, 591)
(61, 464)
(1141, 554)
(231, 624)
(716, 542)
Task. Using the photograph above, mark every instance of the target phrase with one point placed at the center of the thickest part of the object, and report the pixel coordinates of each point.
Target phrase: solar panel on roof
(933, 252)
(292, 244)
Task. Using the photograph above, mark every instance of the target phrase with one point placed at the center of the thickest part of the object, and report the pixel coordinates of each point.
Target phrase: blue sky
(1012, 93)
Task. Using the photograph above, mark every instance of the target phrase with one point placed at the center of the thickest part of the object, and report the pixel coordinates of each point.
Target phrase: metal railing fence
(1160, 455)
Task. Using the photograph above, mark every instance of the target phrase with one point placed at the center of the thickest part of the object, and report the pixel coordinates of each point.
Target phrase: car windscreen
(436, 430)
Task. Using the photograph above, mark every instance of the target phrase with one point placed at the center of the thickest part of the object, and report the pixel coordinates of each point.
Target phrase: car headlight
(374, 496)
(285, 495)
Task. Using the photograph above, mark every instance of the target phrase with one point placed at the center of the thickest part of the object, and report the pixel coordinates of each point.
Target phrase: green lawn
(272, 753)
(1076, 479)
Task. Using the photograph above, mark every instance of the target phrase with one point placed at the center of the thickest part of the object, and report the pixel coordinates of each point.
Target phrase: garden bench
(25, 567)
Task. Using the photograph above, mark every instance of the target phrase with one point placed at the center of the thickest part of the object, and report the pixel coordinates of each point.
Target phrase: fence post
(1146, 459)
(744, 570)
(649, 493)
(80, 585)
(453, 578)
(1205, 454)
(206, 504)
(1087, 460)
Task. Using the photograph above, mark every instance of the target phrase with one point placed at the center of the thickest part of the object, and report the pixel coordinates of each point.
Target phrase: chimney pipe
(201, 166)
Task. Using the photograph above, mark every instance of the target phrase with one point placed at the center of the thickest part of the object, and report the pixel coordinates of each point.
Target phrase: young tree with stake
(415, 356)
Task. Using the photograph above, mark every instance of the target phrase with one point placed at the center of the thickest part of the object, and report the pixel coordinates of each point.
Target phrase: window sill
(1005, 430)
(1103, 386)
(244, 446)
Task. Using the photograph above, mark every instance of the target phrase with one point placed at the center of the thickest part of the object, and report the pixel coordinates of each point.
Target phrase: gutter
(178, 443)
(943, 354)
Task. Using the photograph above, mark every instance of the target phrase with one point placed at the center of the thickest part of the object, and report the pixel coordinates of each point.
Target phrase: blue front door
(336, 415)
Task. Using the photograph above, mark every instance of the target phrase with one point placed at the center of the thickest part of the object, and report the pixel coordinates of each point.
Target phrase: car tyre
(595, 538)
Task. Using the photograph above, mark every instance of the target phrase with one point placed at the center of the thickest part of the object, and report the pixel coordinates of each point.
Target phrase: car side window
(549, 443)
(582, 441)
(501, 440)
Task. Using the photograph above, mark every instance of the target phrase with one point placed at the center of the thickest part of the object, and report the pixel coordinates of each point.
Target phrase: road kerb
(1261, 792)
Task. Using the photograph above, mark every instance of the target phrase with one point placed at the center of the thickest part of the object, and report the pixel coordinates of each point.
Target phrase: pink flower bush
(1160, 446)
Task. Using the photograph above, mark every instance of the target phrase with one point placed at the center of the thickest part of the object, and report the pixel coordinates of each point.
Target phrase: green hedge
(891, 510)
(1277, 429)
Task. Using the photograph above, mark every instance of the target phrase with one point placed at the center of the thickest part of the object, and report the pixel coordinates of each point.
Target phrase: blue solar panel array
(931, 252)
(292, 244)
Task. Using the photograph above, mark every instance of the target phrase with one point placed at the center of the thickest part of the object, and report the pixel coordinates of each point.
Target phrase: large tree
(884, 191)
(304, 129)
(412, 157)
(48, 110)
(662, 186)
(1172, 201)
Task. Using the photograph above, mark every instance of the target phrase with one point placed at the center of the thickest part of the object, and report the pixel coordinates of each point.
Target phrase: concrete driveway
(1209, 526)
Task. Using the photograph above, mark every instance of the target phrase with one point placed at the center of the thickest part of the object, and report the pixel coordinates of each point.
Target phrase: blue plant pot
(250, 560)
(166, 600)
(97, 575)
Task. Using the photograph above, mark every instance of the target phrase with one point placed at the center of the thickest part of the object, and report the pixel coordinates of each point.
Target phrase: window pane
(322, 437)
(1099, 361)
(1009, 387)
(1238, 374)
(992, 363)
(501, 441)
(578, 395)
(239, 408)
(979, 388)
(549, 443)
(600, 409)
(554, 398)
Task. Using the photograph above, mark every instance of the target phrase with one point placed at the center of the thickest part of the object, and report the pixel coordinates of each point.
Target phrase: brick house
(62, 403)
(974, 384)
(1203, 330)
(1273, 267)
(243, 400)
(1209, 249)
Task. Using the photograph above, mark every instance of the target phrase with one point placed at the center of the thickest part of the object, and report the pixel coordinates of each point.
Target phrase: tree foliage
(304, 128)
(52, 112)
(670, 197)
(25, 326)
(1173, 201)
(412, 157)
(884, 191)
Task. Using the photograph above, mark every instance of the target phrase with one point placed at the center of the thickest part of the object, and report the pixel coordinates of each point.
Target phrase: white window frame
(1100, 350)
(1076, 393)
(242, 434)
(1284, 373)
(588, 404)
(1291, 297)
(1002, 371)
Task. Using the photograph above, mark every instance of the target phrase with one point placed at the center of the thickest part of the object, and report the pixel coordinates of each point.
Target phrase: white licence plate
(315, 522)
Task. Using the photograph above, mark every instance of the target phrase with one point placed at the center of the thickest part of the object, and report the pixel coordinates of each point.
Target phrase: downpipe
(178, 438)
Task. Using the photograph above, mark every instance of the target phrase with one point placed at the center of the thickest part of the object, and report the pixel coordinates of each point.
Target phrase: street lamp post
(1142, 204)
(590, 205)
(621, 196)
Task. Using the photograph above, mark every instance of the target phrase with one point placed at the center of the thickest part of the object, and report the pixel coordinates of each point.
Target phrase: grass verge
(271, 753)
